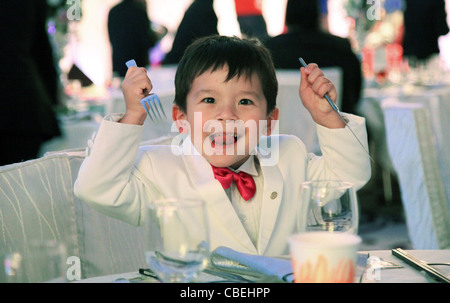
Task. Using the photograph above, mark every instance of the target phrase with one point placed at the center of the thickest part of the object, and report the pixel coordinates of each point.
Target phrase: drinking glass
(177, 238)
(328, 206)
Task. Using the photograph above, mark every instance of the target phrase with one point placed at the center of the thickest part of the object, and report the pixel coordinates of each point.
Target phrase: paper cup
(324, 257)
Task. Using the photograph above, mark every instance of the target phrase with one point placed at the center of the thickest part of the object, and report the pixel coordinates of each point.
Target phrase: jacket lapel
(272, 192)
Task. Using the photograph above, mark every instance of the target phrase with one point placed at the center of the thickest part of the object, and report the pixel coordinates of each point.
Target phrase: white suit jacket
(118, 177)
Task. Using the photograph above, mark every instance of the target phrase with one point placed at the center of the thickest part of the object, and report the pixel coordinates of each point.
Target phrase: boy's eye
(245, 102)
(209, 100)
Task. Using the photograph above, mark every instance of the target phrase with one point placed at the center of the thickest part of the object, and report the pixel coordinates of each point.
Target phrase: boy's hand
(134, 86)
(313, 86)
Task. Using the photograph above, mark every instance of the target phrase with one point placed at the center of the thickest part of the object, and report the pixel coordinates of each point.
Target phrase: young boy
(221, 84)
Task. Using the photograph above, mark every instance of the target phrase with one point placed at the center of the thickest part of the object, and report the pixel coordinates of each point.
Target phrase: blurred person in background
(424, 23)
(250, 18)
(28, 81)
(306, 39)
(199, 20)
(130, 34)
(323, 4)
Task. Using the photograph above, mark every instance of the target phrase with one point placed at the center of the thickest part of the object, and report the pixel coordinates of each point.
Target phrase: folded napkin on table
(230, 260)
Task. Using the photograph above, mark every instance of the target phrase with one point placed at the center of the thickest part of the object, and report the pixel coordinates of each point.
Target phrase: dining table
(434, 96)
(380, 266)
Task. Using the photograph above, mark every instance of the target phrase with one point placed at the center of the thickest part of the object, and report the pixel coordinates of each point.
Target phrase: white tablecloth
(435, 98)
(406, 274)
(405, 136)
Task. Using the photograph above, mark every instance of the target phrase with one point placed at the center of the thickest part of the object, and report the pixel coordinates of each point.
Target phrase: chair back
(294, 118)
(37, 207)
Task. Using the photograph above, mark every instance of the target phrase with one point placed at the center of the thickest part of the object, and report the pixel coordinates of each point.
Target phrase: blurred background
(85, 42)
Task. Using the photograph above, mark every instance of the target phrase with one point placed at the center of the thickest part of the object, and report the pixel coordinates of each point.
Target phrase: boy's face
(225, 118)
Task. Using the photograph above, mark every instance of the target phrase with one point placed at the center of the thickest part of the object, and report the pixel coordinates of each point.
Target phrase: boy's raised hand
(313, 86)
(134, 86)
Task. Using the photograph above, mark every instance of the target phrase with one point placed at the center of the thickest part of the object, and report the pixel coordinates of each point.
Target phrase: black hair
(243, 57)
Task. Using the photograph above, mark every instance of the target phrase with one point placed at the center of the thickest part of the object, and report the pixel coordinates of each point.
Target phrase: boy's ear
(272, 119)
(179, 117)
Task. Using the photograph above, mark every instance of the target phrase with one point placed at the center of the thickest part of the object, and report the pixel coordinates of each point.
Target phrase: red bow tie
(244, 182)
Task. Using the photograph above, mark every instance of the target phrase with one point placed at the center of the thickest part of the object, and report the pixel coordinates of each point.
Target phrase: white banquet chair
(412, 148)
(294, 119)
(37, 204)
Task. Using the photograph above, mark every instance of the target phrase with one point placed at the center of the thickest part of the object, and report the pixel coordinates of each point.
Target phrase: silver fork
(150, 101)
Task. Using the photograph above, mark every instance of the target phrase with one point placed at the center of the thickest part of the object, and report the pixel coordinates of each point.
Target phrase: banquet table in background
(409, 127)
(87, 112)
(435, 97)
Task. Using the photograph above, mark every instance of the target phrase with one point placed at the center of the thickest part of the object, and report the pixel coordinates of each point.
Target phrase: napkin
(230, 260)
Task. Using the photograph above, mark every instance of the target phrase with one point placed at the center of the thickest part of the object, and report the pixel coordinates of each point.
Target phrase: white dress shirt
(249, 212)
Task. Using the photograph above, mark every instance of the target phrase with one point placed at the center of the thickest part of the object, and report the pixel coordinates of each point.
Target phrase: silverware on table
(150, 101)
(379, 263)
(421, 265)
(361, 263)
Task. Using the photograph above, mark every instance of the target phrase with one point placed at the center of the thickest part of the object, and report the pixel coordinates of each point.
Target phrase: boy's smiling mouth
(223, 139)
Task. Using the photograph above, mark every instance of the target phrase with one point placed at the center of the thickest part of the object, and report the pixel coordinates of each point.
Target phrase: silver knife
(336, 109)
(420, 265)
